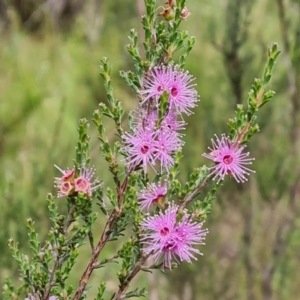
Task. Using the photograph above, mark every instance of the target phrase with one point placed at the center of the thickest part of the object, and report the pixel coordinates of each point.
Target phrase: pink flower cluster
(69, 184)
(167, 237)
(167, 93)
(154, 138)
(177, 83)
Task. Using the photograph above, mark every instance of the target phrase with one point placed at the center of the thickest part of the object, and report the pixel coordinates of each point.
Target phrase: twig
(120, 294)
(189, 198)
(92, 263)
(70, 217)
(123, 188)
(103, 262)
(91, 240)
(58, 259)
(51, 281)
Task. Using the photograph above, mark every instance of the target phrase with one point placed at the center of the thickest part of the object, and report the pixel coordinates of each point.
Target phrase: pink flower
(229, 160)
(182, 95)
(185, 13)
(187, 234)
(178, 85)
(154, 193)
(169, 238)
(171, 122)
(64, 184)
(66, 189)
(166, 144)
(68, 175)
(140, 147)
(148, 146)
(155, 83)
(84, 183)
(69, 184)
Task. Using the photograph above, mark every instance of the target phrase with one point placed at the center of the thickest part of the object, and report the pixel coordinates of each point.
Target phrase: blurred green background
(49, 78)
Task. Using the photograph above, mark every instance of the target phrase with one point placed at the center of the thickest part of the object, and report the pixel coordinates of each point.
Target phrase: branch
(189, 198)
(120, 294)
(92, 263)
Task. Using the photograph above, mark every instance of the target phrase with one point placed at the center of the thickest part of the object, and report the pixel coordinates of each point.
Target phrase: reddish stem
(92, 263)
(192, 195)
(102, 242)
(132, 274)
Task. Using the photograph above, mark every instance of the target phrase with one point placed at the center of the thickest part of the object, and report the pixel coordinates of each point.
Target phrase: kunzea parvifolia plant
(155, 217)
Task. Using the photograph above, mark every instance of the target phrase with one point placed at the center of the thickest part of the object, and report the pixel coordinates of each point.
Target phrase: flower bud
(185, 13)
(168, 14)
(172, 3)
